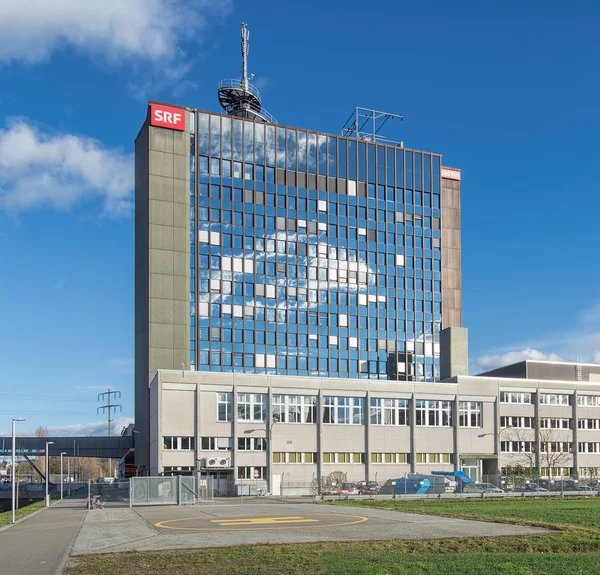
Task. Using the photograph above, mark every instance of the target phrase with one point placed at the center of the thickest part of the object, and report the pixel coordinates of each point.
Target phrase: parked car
(483, 488)
(349, 489)
(367, 487)
(531, 488)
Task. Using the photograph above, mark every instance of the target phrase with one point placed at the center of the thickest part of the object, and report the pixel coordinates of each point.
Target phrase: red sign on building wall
(167, 117)
(450, 174)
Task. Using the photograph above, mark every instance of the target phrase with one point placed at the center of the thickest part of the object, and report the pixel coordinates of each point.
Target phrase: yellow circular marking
(162, 524)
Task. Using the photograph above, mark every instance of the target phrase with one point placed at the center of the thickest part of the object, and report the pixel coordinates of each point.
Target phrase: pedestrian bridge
(105, 447)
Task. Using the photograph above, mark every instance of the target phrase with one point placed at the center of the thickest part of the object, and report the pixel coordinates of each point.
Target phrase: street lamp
(14, 449)
(61, 473)
(47, 473)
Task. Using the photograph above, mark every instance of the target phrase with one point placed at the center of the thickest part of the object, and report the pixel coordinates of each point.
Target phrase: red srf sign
(167, 117)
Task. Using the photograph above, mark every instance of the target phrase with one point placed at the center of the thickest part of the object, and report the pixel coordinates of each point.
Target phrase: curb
(68, 551)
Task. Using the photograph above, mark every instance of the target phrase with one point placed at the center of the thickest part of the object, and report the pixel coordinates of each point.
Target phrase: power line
(108, 409)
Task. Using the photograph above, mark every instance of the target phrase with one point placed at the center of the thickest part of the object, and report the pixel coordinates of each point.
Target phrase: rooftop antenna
(240, 97)
(366, 124)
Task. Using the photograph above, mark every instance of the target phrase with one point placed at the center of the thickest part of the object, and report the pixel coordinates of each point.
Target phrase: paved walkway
(154, 528)
(38, 545)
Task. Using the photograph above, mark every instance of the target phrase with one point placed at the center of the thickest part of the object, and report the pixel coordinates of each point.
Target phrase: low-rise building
(295, 432)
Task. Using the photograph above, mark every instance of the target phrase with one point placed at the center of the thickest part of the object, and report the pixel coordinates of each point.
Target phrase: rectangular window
(517, 422)
(515, 397)
(588, 424)
(252, 472)
(588, 447)
(188, 443)
(389, 411)
(434, 413)
(391, 458)
(295, 408)
(588, 400)
(252, 444)
(555, 399)
(469, 413)
(434, 458)
(215, 443)
(252, 407)
(343, 410)
(179, 443)
(517, 446)
(224, 407)
(343, 458)
(555, 423)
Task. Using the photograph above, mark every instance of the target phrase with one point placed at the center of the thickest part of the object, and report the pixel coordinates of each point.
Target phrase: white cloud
(39, 169)
(150, 30)
(488, 362)
(94, 428)
(581, 342)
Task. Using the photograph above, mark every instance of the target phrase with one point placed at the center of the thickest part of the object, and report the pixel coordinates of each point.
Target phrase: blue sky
(506, 91)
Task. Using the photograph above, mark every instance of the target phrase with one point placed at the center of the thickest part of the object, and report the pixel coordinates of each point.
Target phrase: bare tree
(556, 450)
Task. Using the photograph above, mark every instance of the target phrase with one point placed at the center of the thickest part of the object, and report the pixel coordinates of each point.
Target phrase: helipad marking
(254, 523)
(263, 521)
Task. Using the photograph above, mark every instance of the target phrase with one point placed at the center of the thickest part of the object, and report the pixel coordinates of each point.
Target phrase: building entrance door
(472, 467)
(276, 485)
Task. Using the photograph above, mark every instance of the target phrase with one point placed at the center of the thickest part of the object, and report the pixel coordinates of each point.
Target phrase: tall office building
(266, 249)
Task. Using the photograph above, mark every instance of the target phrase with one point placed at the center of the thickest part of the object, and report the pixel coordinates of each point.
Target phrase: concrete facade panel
(160, 188)
(161, 164)
(161, 140)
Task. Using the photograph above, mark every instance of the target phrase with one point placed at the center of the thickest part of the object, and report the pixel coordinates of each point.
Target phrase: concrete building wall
(162, 306)
(141, 290)
(454, 352)
(451, 250)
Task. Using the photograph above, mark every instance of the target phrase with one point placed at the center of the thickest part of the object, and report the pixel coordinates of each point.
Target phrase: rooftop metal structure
(240, 97)
(366, 124)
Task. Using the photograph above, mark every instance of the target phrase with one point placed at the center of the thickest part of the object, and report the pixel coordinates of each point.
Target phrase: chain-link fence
(449, 484)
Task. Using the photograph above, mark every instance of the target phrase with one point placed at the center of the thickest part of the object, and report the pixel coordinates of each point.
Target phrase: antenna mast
(239, 97)
(245, 46)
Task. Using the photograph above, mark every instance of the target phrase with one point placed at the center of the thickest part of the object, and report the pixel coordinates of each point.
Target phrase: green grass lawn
(553, 512)
(573, 548)
(6, 516)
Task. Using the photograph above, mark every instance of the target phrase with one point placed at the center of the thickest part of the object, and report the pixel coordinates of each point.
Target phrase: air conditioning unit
(217, 462)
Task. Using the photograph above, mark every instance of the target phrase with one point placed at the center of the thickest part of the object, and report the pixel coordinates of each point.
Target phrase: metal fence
(168, 490)
(340, 485)
(107, 494)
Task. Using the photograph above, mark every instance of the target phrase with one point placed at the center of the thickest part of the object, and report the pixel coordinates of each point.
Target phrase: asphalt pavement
(40, 544)
(197, 526)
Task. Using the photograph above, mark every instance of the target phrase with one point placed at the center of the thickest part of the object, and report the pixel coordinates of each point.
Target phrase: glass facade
(312, 254)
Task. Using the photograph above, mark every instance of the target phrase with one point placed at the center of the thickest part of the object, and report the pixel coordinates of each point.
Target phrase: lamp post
(61, 473)
(47, 473)
(12, 470)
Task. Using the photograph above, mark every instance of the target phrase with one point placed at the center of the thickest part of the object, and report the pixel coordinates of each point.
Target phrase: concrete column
(455, 421)
(575, 435)
(413, 425)
(319, 439)
(454, 352)
(269, 434)
(538, 441)
(234, 435)
(368, 436)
